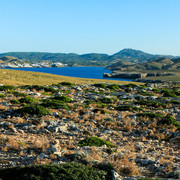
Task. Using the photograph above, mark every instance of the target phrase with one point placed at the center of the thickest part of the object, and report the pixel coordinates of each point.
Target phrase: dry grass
(40, 144)
(13, 144)
(15, 77)
(124, 166)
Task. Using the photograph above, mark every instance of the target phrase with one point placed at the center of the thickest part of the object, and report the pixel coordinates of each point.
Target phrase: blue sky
(85, 26)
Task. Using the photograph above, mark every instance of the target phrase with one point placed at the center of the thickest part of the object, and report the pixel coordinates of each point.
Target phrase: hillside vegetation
(88, 131)
(91, 59)
(10, 59)
(158, 64)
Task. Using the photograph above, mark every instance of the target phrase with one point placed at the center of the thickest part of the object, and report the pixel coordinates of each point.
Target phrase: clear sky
(85, 26)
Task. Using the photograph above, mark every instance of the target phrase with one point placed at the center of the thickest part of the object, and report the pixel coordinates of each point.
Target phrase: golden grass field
(16, 77)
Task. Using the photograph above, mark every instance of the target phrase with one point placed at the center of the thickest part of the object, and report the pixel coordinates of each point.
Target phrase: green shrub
(150, 103)
(128, 108)
(174, 102)
(113, 86)
(156, 90)
(64, 171)
(110, 119)
(33, 109)
(104, 112)
(99, 104)
(145, 93)
(151, 115)
(168, 93)
(168, 119)
(94, 141)
(18, 94)
(101, 85)
(54, 104)
(14, 101)
(64, 99)
(50, 89)
(6, 87)
(66, 84)
(39, 88)
(106, 100)
(130, 85)
(2, 95)
(176, 92)
(26, 100)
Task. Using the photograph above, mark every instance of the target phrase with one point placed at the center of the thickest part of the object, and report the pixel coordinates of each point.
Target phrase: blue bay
(81, 72)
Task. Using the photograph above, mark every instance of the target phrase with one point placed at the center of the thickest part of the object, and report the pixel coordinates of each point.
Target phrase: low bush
(18, 94)
(26, 100)
(130, 85)
(168, 93)
(128, 108)
(113, 86)
(145, 93)
(168, 119)
(101, 85)
(156, 90)
(33, 109)
(151, 115)
(176, 91)
(54, 104)
(39, 88)
(2, 95)
(174, 102)
(50, 89)
(63, 99)
(95, 141)
(66, 84)
(106, 100)
(64, 171)
(6, 87)
(14, 101)
(151, 103)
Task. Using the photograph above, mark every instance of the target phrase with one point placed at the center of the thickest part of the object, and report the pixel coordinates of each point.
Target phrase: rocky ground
(44, 124)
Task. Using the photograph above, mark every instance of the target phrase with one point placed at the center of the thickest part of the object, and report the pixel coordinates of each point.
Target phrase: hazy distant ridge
(129, 55)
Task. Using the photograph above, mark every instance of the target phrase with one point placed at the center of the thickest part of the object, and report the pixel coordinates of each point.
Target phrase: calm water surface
(82, 72)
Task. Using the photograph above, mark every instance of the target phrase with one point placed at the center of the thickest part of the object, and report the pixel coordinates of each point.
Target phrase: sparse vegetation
(101, 85)
(26, 100)
(2, 95)
(128, 108)
(168, 93)
(63, 99)
(95, 141)
(55, 104)
(104, 129)
(65, 171)
(6, 87)
(113, 86)
(33, 109)
(151, 115)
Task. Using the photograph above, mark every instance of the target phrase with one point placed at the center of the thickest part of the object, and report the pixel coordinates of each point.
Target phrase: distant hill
(136, 56)
(92, 59)
(70, 59)
(10, 59)
(158, 64)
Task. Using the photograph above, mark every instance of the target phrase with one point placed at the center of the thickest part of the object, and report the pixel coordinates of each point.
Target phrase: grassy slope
(15, 77)
(167, 78)
(174, 78)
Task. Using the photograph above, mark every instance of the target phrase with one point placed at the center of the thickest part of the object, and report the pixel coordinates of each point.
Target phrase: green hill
(91, 59)
(135, 56)
(158, 64)
(10, 59)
